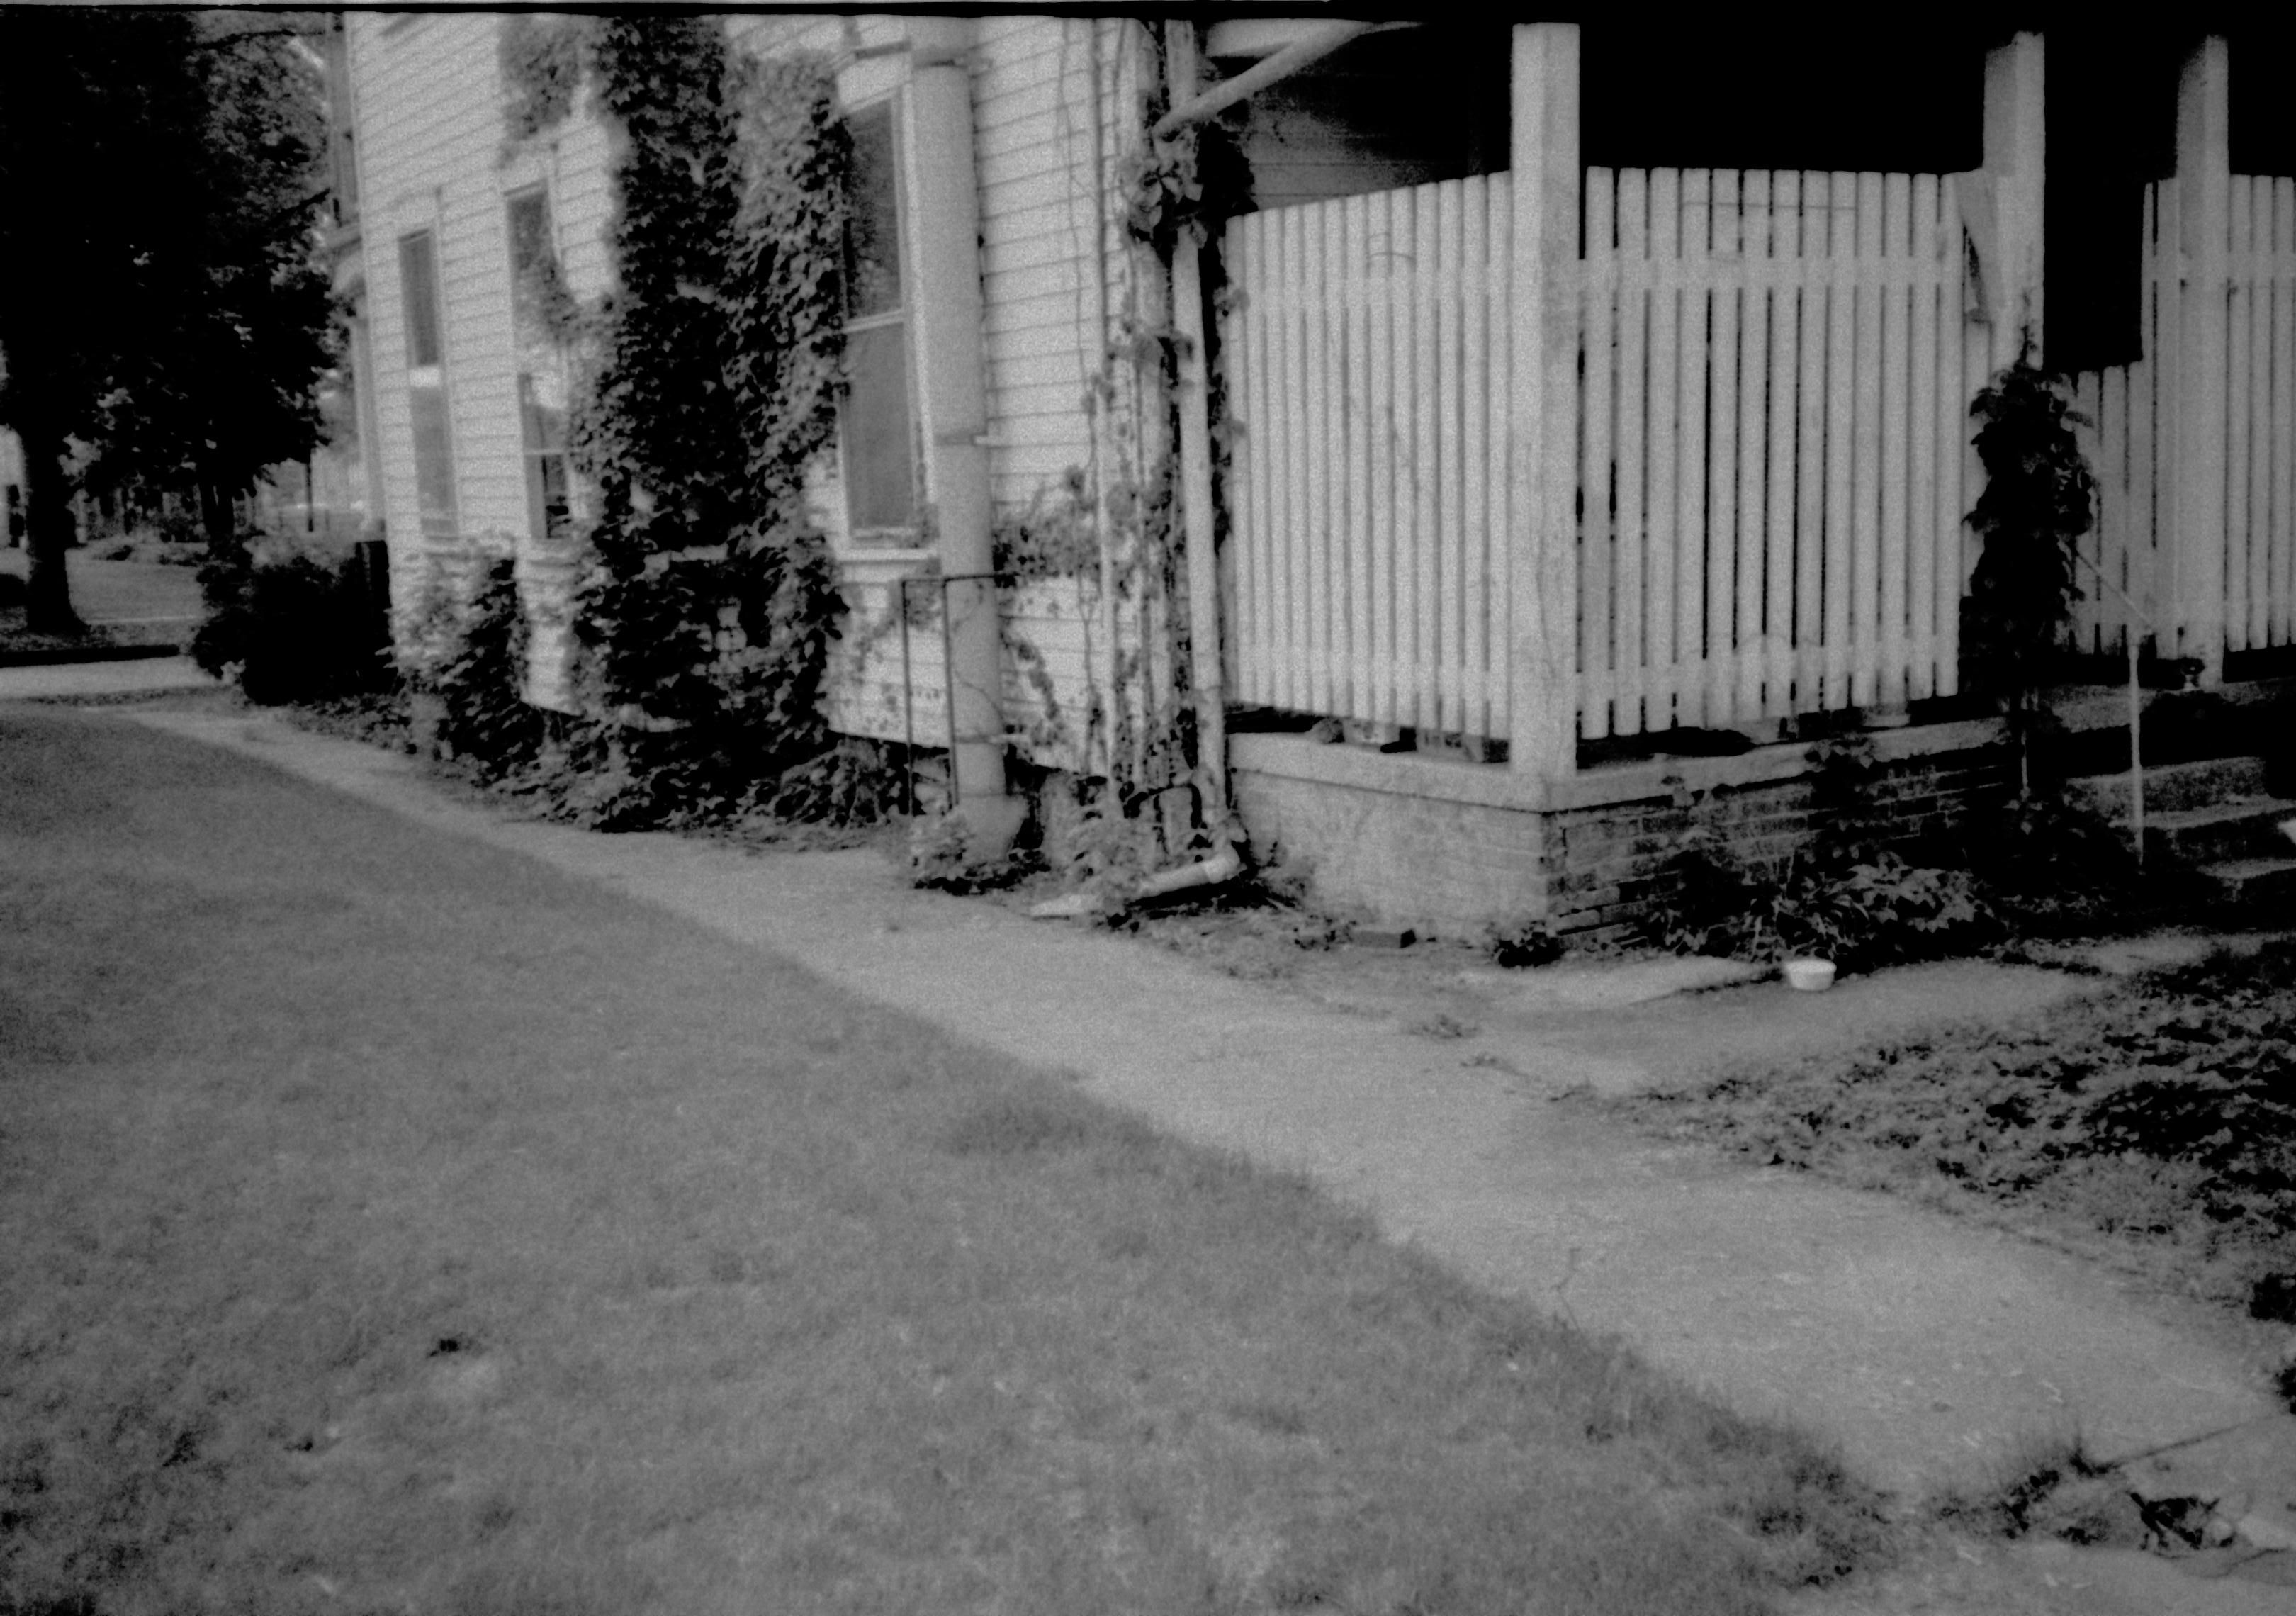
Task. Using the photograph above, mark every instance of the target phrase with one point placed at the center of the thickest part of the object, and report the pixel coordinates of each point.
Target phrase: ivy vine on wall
(706, 604)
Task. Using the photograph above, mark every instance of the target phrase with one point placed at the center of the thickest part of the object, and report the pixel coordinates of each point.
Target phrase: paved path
(97, 681)
(1927, 1346)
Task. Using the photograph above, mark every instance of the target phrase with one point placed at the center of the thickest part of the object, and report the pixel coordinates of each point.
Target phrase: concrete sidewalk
(103, 681)
(1927, 1347)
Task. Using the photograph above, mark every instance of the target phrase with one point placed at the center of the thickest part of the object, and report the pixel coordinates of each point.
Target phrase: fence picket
(2283, 616)
(2256, 352)
(1866, 452)
(1474, 343)
(1690, 385)
(2237, 456)
(1354, 254)
(1839, 400)
(1747, 661)
(1717, 702)
(1922, 445)
(1893, 287)
(1296, 688)
(1451, 565)
(1637, 560)
(1663, 401)
(1499, 552)
(1380, 250)
(1241, 600)
(1426, 547)
(1785, 324)
(1598, 652)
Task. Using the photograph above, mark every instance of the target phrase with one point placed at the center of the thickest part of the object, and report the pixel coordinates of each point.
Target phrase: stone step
(2254, 884)
(2172, 786)
(2230, 830)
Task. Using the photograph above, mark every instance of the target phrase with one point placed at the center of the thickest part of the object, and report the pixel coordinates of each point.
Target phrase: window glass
(434, 463)
(418, 285)
(879, 476)
(873, 246)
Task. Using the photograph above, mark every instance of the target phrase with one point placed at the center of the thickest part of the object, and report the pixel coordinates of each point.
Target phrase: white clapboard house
(1510, 442)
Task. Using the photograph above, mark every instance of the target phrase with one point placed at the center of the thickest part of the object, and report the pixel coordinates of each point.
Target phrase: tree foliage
(162, 298)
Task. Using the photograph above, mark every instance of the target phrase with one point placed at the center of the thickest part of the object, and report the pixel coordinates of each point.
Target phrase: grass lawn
(389, 1223)
(2153, 1122)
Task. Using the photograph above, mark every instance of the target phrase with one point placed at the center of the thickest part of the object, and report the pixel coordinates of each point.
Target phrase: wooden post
(2196, 533)
(1543, 627)
(1193, 402)
(2015, 153)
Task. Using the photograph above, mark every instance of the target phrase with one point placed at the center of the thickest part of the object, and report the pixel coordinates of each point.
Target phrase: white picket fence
(1367, 362)
(1775, 375)
(2129, 438)
(1776, 378)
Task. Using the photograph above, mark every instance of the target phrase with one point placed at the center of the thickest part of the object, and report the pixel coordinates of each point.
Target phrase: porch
(1545, 481)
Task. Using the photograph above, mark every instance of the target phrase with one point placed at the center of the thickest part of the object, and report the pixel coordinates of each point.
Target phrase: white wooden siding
(1054, 102)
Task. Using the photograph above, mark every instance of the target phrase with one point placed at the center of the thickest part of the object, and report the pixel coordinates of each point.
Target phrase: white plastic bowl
(1809, 975)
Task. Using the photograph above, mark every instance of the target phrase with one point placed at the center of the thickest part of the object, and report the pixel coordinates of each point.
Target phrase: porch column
(952, 405)
(2016, 154)
(1182, 70)
(1542, 439)
(2196, 554)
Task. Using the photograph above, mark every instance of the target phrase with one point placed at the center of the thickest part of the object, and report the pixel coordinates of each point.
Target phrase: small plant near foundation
(942, 856)
(1523, 945)
(1846, 898)
(472, 665)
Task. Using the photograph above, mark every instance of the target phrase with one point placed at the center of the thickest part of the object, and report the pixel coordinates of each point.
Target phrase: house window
(879, 429)
(426, 384)
(541, 366)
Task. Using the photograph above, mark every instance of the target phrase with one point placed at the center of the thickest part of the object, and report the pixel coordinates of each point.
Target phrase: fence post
(1542, 637)
(2197, 533)
(2015, 155)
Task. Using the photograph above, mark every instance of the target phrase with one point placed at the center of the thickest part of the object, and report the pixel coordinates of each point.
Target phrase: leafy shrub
(292, 630)
(847, 787)
(474, 664)
(1523, 945)
(1879, 910)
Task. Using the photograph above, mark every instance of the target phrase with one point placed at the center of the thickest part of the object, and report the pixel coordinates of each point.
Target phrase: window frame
(901, 317)
(534, 454)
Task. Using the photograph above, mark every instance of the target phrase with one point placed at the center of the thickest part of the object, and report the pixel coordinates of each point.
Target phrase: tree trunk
(218, 517)
(47, 534)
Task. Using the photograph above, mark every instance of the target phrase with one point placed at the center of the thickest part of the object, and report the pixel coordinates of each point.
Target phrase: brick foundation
(1451, 847)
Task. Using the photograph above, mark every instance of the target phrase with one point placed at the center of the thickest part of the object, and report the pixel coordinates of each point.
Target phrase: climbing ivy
(541, 63)
(706, 605)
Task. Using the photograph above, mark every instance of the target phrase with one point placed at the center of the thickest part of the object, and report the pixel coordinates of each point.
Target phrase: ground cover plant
(2155, 1123)
(388, 1223)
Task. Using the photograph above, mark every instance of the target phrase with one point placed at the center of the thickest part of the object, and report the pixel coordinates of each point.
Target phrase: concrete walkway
(1928, 1347)
(103, 681)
